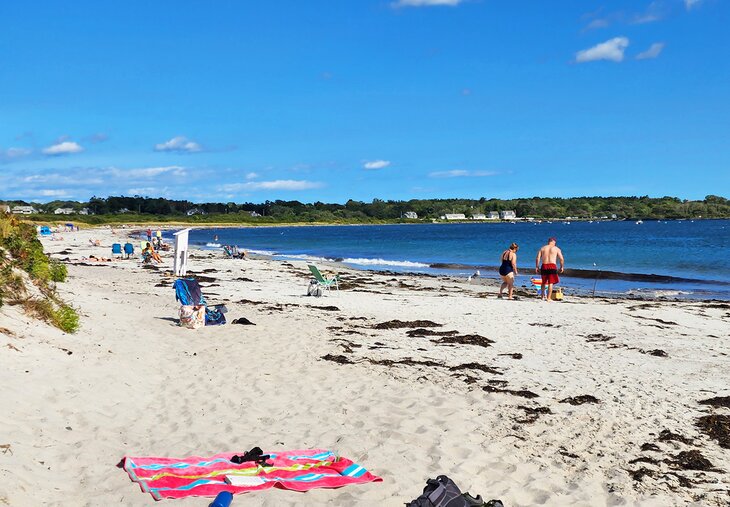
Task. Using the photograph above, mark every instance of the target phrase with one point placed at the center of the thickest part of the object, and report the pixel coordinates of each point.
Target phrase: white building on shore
(64, 211)
(24, 210)
(507, 215)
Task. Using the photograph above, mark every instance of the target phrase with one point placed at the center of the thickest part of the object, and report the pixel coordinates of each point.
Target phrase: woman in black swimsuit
(508, 270)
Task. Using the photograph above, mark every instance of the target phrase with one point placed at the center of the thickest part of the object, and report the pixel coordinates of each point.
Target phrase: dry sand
(131, 382)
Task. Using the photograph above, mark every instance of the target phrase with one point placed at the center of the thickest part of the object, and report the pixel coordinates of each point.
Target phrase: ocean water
(656, 258)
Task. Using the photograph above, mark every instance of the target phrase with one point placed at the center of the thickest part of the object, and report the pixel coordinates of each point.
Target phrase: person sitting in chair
(149, 251)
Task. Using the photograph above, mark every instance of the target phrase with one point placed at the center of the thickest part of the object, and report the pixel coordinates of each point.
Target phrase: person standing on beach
(508, 270)
(149, 234)
(549, 255)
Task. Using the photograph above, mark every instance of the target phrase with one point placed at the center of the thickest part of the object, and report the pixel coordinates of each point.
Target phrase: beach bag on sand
(443, 492)
(558, 294)
(192, 317)
(314, 289)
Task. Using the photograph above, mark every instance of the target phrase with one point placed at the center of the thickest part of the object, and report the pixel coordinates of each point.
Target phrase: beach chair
(116, 249)
(322, 281)
(129, 249)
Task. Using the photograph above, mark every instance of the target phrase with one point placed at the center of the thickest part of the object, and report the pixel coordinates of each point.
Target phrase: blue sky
(392, 99)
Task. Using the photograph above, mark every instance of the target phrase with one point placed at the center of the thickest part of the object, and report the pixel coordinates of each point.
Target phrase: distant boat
(566, 223)
(639, 222)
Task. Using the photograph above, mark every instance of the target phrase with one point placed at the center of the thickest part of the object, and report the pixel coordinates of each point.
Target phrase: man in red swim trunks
(549, 255)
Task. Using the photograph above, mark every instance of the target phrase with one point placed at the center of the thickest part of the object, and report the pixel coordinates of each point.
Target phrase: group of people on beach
(546, 265)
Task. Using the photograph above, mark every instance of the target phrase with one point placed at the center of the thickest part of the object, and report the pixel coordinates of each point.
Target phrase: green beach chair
(322, 281)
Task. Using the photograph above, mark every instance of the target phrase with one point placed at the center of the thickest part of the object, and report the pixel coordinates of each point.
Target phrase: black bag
(440, 492)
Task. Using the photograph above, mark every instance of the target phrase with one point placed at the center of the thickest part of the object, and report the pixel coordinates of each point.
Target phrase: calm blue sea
(694, 253)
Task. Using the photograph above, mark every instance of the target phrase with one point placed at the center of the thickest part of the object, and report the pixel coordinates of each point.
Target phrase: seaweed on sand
(428, 332)
(476, 366)
(716, 426)
(467, 339)
(399, 324)
(668, 436)
(521, 393)
(691, 460)
(339, 359)
(581, 400)
(532, 414)
(717, 402)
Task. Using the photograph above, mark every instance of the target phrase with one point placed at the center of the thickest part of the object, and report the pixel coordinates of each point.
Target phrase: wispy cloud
(252, 176)
(99, 137)
(611, 50)
(655, 11)
(271, 185)
(12, 154)
(148, 172)
(653, 51)
(179, 144)
(63, 148)
(461, 173)
(690, 4)
(425, 3)
(374, 165)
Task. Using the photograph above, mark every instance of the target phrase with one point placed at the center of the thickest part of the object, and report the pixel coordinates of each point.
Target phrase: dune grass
(20, 250)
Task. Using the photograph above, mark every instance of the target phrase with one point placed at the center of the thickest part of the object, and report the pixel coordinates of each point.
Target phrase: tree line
(122, 208)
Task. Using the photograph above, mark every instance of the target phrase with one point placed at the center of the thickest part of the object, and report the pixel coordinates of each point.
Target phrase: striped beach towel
(299, 470)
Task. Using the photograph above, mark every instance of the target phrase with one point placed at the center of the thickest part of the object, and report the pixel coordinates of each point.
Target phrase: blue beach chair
(117, 249)
(129, 249)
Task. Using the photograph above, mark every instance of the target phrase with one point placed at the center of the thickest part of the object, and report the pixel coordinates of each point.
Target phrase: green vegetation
(21, 251)
(113, 210)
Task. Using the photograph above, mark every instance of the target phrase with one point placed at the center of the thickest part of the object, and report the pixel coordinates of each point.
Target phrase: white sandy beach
(131, 382)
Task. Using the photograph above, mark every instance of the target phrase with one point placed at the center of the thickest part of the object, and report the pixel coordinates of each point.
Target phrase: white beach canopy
(180, 266)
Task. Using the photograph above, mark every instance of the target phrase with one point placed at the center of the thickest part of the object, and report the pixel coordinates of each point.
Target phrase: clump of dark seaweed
(400, 324)
(581, 400)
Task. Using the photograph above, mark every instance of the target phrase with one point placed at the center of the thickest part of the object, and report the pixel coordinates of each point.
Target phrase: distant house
(4, 208)
(24, 210)
(507, 215)
(493, 215)
(478, 216)
(410, 215)
(85, 211)
(123, 210)
(195, 211)
(455, 216)
(63, 211)
(254, 214)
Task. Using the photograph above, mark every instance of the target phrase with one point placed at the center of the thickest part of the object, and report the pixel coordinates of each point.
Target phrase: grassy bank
(28, 277)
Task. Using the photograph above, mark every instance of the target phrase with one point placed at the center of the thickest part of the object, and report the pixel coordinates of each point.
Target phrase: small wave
(384, 262)
(305, 257)
(267, 253)
(213, 245)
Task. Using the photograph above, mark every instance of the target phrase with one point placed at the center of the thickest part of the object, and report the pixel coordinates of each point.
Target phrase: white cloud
(180, 144)
(612, 50)
(460, 173)
(689, 4)
(653, 51)
(252, 176)
(272, 185)
(52, 193)
(425, 3)
(63, 148)
(148, 191)
(376, 164)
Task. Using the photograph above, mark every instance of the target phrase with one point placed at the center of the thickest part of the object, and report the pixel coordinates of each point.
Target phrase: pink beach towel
(299, 470)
